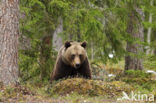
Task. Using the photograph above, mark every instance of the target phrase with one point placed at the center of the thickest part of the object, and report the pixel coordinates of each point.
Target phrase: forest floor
(78, 90)
(21, 94)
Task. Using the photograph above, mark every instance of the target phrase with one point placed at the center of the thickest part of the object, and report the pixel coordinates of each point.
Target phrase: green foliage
(103, 24)
(137, 73)
(150, 62)
(58, 8)
(28, 63)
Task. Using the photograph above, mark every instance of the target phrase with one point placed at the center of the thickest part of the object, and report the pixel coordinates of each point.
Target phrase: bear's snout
(77, 65)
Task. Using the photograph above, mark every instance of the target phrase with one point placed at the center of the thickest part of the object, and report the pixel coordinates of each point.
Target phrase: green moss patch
(139, 79)
(90, 87)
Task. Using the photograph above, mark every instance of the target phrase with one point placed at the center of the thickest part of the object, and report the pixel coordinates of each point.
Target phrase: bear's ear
(84, 44)
(67, 44)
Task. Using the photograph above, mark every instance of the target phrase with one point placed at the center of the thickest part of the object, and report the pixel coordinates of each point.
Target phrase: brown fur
(65, 66)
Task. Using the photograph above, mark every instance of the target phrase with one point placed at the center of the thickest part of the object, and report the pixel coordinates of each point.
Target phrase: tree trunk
(9, 32)
(135, 29)
(57, 40)
(149, 31)
(78, 33)
(45, 56)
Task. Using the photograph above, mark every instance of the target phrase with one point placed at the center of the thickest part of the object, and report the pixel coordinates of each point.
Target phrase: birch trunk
(9, 32)
(149, 31)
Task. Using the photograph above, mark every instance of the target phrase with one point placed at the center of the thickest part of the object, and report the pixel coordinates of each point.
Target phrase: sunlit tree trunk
(92, 51)
(9, 32)
(149, 30)
(57, 40)
(135, 29)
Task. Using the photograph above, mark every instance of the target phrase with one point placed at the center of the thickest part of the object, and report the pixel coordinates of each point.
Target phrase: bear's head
(74, 53)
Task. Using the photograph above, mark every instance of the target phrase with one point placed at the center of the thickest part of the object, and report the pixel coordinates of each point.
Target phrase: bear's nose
(77, 65)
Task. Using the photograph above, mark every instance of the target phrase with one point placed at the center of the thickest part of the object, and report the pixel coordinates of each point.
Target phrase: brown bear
(72, 61)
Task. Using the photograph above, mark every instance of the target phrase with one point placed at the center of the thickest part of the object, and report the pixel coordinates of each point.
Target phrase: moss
(90, 87)
(13, 91)
(138, 79)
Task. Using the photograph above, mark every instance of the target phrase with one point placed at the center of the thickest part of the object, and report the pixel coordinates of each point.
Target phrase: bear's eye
(80, 55)
(73, 56)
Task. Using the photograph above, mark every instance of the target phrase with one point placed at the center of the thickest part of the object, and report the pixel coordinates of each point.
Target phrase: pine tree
(136, 31)
(9, 32)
